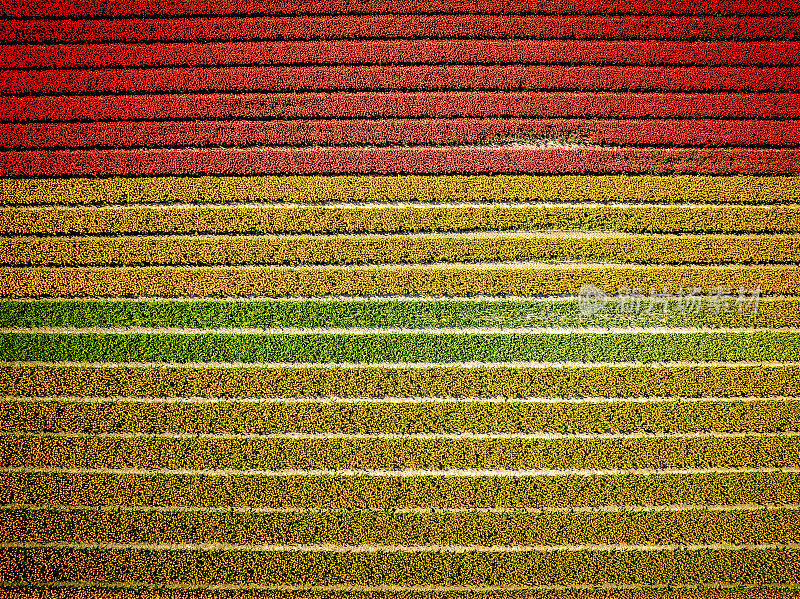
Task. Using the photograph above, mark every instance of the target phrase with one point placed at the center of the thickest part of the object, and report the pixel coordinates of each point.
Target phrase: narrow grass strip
(388, 492)
(656, 567)
(224, 250)
(403, 453)
(626, 381)
(437, 280)
(400, 347)
(691, 527)
(50, 415)
(404, 313)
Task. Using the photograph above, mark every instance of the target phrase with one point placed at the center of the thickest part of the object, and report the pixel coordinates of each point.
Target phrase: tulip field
(371, 299)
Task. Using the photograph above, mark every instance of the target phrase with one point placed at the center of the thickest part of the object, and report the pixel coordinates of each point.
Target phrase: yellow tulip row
(386, 281)
(358, 527)
(503, 188)
(368, 381)
(253, 219)
(390, 492)
(400, 453)
(128, 251)
(666, 567)
(445, 416)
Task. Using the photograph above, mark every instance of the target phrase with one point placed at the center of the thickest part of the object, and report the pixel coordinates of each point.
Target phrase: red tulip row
(87, 8)
(434, 78)
(400, 104)
(401, 26)
(127, 134)
(398, 160)
(454, 51)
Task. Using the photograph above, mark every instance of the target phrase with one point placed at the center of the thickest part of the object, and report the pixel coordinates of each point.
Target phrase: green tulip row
(736, 311)
(401, 347)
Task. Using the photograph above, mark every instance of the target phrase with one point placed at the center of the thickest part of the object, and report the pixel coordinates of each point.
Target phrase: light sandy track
(606, 509)
(555, 330)
(421, 436)
(476, 266)
(387, 399)
(499, 234)
(391, 548)
(395, 588)
(395, 365)
(352, 299)
(380, 205)
(470, 473)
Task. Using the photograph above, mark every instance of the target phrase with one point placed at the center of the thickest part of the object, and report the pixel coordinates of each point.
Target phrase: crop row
(399, 104)
(403, 453)
(400, 347)
(404, 188)
(126, 134)
(370, 381)
(399, 160)
(405, 313)
(85, 591)
(166, 281)
(122, 8)
(408, 51)
(393, 77)
(389, 492)
(227, 219)
(401, 26)
(141, 251)
(441, 416)
(197, 567)
(696, 527)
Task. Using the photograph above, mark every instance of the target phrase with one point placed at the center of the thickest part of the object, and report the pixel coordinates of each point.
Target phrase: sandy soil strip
(490, 510)
(386, 399)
